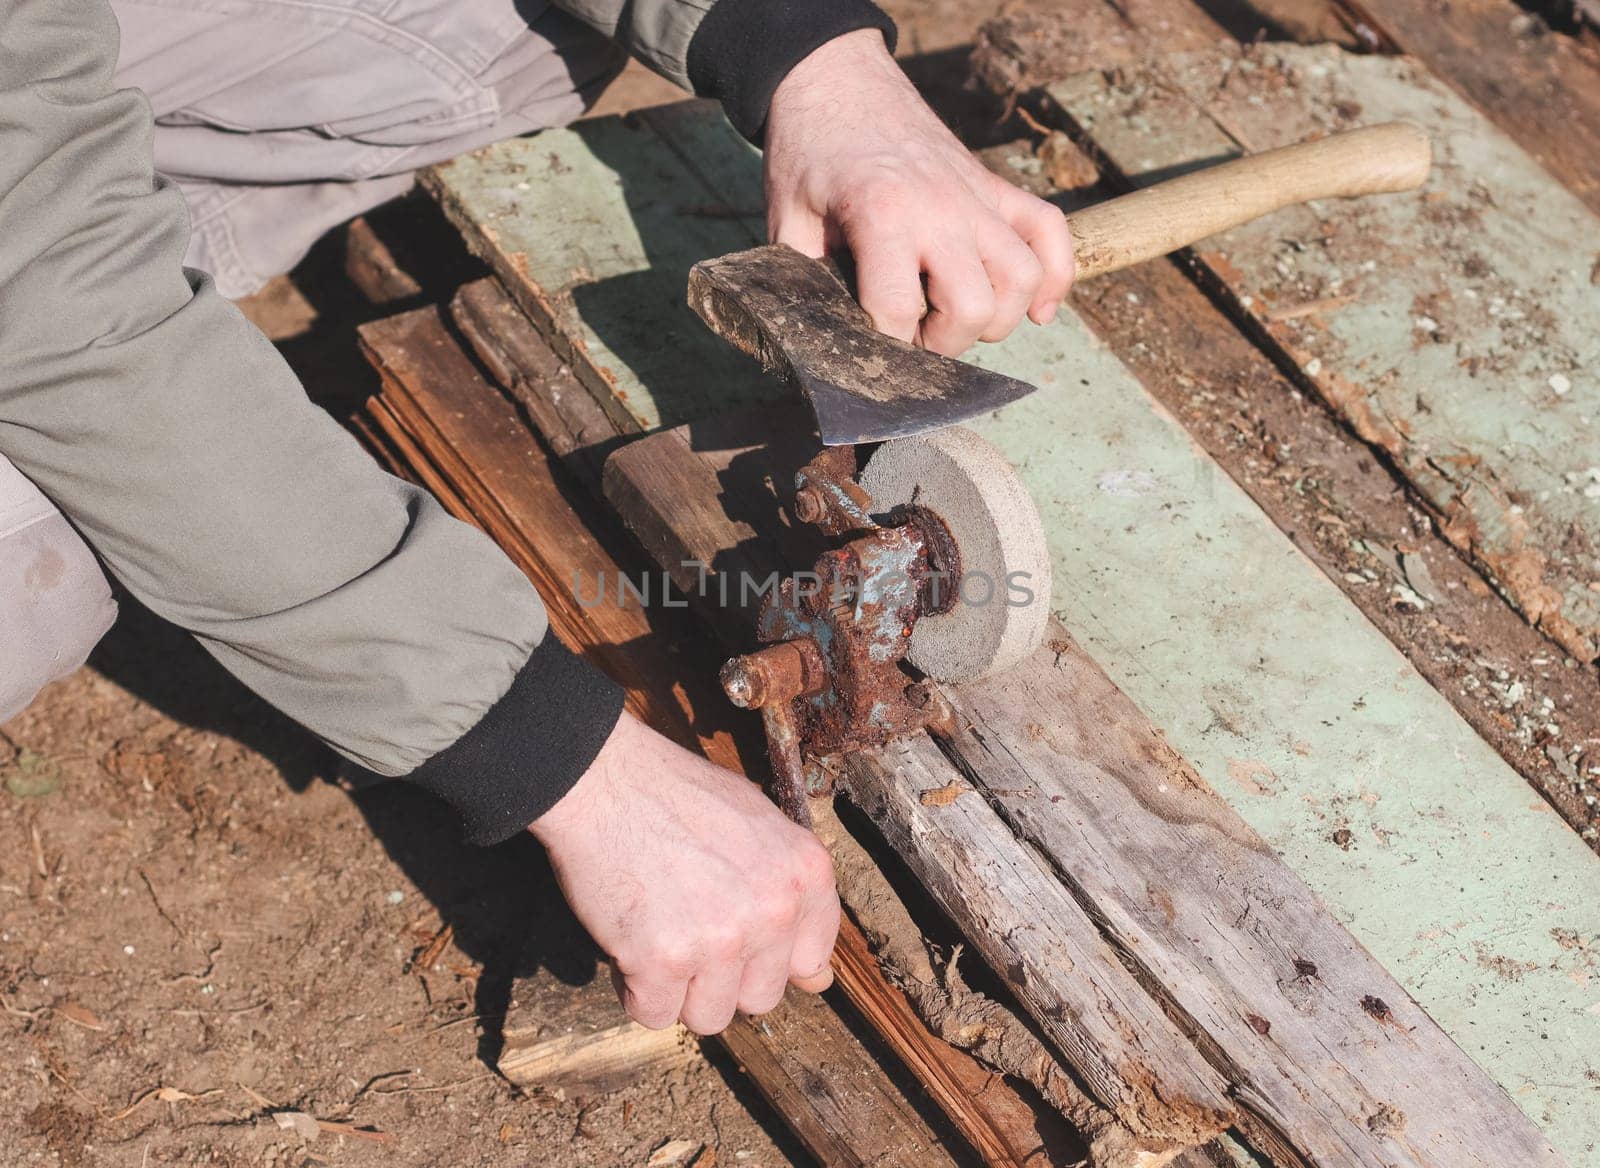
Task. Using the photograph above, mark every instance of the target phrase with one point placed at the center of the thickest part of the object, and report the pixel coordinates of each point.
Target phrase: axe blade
(797, 318)
(846, 417)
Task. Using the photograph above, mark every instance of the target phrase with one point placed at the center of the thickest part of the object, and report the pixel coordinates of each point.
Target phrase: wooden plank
(611, 303)
(1001, 1125)
(558, 407)
(1458, 333)
(1146, 898)
(1004, 1129)
(1349, 512)
(829, 1096)
(596, 1061)
(1541, 570)
(503, 491)
(1034, 42)
(1299, 713)
(1540, 87)
(668, 668)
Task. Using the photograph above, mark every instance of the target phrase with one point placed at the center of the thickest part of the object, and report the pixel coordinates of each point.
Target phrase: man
(168, 436)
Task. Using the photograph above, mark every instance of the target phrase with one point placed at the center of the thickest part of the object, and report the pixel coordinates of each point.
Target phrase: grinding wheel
(1002, 600)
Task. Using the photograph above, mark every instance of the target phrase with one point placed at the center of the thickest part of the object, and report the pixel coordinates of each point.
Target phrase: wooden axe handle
(1173, 214)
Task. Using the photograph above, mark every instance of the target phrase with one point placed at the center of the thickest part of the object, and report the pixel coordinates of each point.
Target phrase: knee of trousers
(55, 605)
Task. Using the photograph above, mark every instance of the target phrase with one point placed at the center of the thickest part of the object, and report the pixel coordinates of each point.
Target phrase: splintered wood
(1456, 333)
(440, 422)
(1191, 980)
(599, 1061)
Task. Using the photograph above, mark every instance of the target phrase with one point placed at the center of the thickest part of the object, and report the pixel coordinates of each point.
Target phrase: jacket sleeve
(736, 51)
(171, 433)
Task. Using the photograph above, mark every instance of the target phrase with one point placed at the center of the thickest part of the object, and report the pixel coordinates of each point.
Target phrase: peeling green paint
(1457, 329)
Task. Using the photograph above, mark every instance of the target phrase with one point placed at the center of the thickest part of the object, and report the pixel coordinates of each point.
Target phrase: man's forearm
(175, 438)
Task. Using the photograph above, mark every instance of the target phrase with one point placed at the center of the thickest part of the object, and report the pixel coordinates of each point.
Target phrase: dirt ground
(202, 925)
(199, 925)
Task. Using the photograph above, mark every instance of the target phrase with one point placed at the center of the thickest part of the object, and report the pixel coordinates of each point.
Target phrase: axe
(797, 317)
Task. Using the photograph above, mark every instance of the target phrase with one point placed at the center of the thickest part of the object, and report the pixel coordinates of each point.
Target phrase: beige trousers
(54, 603)
(279, 119)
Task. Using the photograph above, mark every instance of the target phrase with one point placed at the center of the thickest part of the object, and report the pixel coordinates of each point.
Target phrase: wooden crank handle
(1184, 210)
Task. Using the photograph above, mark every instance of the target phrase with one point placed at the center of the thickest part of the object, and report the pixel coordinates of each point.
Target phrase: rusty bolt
(774, 674)
(741, 683)
(809, 506)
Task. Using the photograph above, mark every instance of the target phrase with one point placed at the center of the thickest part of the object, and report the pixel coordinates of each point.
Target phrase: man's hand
(706, 898)
(855, 158)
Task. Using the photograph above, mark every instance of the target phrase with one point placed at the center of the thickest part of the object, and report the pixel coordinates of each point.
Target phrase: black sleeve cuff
(744, 48)
(529, 749)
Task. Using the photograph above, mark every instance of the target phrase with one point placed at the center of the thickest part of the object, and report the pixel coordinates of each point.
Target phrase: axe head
(795, 316)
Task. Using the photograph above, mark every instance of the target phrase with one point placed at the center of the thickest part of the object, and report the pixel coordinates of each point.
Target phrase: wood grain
(595, 1062)
(1132, 911)
(668, 673)
(1161, 218)
(1465, 348)
(1539, 86)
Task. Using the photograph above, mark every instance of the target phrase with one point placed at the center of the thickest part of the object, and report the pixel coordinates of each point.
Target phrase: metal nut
(809, 506)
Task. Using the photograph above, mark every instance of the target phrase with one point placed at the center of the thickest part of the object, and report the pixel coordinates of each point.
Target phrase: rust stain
(943, 796)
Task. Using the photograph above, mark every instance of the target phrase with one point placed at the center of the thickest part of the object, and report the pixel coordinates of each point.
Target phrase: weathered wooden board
(1459, 333)
(595, 1061)
(1350, 513)
(1301, 714)
(1143, 896)
(1291, 705)
(1540, 87)
(594, 229)
(440, 422)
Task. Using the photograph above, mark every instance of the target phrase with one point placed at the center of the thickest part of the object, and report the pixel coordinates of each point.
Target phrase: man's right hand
(706, 898)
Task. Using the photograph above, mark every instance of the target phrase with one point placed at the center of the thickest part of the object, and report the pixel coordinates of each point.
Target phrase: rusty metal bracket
(831, 677)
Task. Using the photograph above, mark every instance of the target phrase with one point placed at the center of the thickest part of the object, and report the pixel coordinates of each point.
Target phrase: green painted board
(1480, 900)
(594, 229)
(1458, 331)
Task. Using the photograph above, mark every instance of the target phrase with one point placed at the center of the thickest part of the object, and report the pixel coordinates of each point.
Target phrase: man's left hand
(856, 159)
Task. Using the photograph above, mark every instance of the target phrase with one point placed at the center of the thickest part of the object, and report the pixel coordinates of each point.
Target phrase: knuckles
(766, 912)
(815, 863)
(763, 1000)
(651, 1013)
(967, 305)
(708, 1024)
